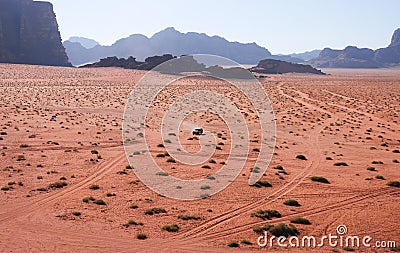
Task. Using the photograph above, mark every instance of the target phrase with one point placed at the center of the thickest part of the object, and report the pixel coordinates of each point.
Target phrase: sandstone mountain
(269, 66)
(85, 42)
(29, 34)
(171, 41)
(353, 57)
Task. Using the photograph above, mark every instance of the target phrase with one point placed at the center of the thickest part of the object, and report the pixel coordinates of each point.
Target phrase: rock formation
(353, 57)
(29, 34)
(130, 62)
(269, 66)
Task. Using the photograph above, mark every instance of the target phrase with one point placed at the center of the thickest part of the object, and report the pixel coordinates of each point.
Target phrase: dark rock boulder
(130, 62)
(29, 34)
(269, 66)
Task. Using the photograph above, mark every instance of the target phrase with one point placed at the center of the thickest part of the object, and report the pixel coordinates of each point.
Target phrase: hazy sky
(283, 26)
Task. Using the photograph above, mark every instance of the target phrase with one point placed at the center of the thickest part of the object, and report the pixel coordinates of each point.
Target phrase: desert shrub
(59, 184)
(134, 207)
(24, 146)
(266, 214)
(85, 200)
(141, 236)
(301, 157)
(122, 172)
(212, 161)
(320, 179)
(283, 230)
(100, 202)
(260, 230)
(77, 213)
(3, 133)
(128, 167)
(300, 220)
(171, 228)
(329, 158)
(377, 162)
(42, 189)
(396, 161)
(278, 167)
(260, 184)
(256, 150)
(255, 169)
(291, 202)
(162, 173)
(396, 151)
(94, 187)
(188, 217)
(132, 222)
(160, 155)
(171, 160)
(109, 194)
(340, 164)
(218, 148)
(394, 184)
(160, 145)
(380, 177)
(206, 167)
(5, 188)
(94, 152)
(233, 244)
(371, 169)
(155, 210)
(246, 242)
(21, 158)
(348, 249)
(205, 187)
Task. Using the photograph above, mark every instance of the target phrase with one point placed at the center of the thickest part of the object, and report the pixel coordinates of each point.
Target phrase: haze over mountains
(171, 41)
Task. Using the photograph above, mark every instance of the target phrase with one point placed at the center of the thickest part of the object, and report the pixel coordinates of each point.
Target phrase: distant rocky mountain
(353, 57)
(29, 34)
(170, 41)
(269, 66)
(85, 42)
(306, 56)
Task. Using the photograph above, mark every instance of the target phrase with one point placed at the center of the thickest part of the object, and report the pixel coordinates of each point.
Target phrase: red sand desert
(62, 153)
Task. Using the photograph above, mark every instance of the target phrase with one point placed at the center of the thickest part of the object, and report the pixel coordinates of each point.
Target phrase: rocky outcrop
(130, 62)
(269, 66)
(29, 34)
(353, 57)
(391, 54)
(350, 57)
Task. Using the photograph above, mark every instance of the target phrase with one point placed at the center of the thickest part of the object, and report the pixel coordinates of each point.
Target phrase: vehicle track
(101, 169)
(314, 162)
(306, 213)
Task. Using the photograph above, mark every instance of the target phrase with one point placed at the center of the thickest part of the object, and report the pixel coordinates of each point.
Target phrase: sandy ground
(64, 125)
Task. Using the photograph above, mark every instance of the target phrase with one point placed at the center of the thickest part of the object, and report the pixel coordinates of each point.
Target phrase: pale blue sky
(283, 26)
